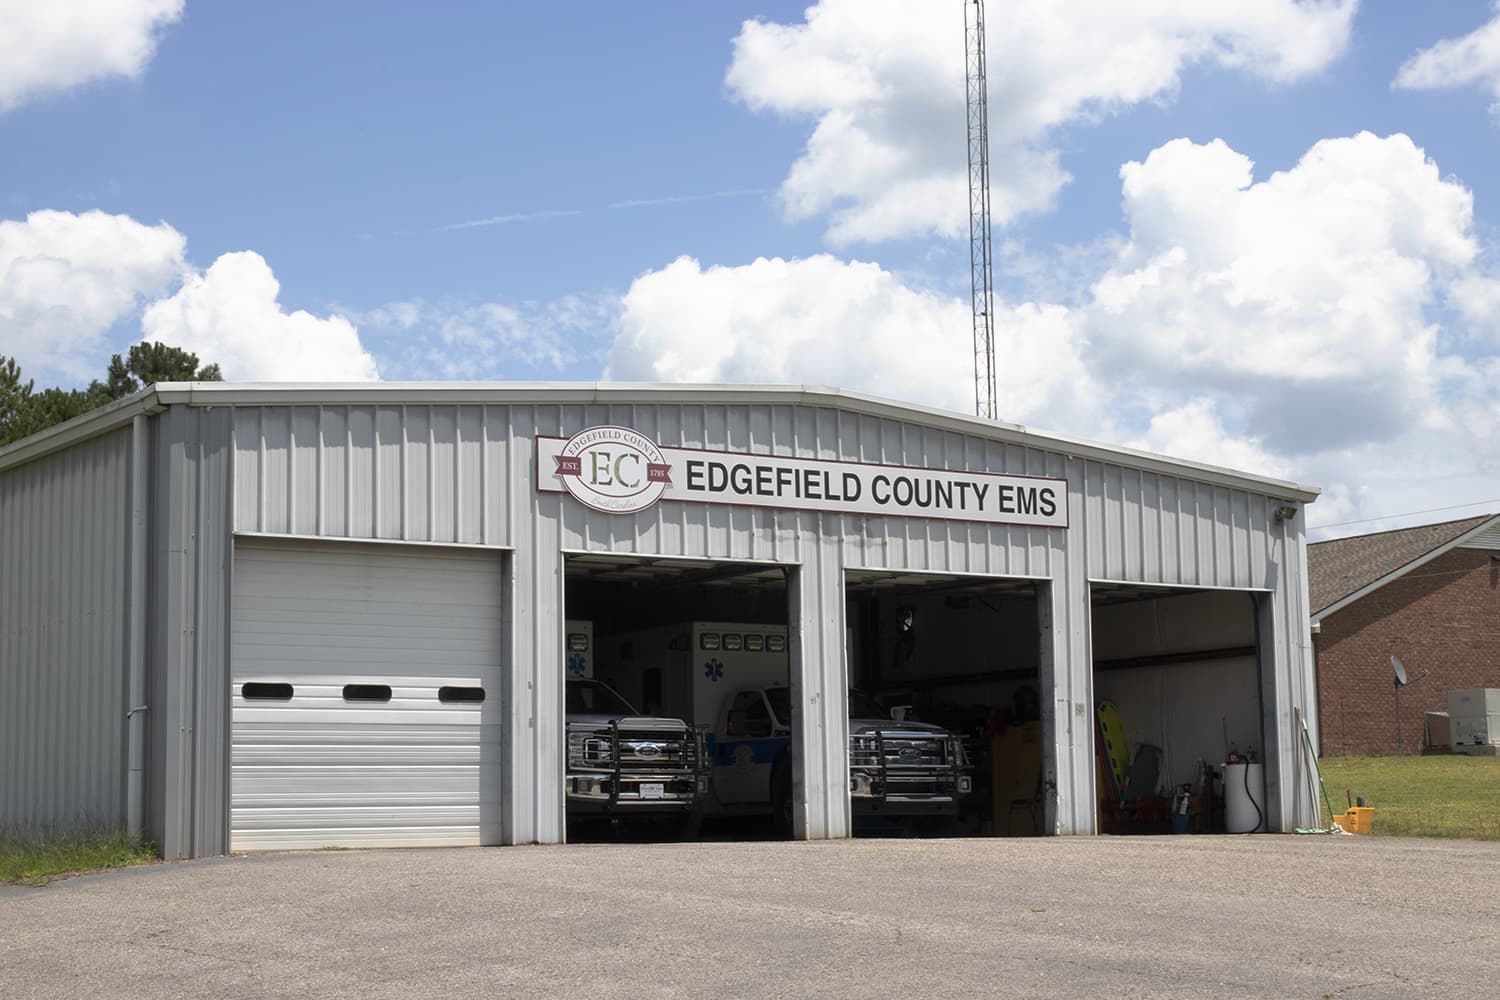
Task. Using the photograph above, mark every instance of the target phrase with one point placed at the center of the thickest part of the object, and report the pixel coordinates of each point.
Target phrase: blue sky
(1258, 235)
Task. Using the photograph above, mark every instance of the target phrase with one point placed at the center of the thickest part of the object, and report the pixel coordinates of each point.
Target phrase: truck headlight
(863, 752)
(585, 749)
(961, 753)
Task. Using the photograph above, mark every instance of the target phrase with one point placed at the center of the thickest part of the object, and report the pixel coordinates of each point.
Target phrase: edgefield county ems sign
(620, 471)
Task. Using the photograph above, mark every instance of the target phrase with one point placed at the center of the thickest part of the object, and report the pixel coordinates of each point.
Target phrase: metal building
(400, 555)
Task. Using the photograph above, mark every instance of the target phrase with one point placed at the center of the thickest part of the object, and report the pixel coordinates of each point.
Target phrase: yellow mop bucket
(1356, 819)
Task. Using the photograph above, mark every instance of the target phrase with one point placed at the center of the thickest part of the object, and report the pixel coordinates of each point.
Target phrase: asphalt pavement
(1203, 917)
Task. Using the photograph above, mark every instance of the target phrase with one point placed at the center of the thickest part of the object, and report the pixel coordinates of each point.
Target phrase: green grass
(1439, 796)
(35, 858)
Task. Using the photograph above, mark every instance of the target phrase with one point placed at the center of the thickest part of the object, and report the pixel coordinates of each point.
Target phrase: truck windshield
(862, 706)
(596, 698)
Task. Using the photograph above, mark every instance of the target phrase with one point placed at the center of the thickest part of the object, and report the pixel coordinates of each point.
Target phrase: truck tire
(781, 799)
(690, 825)
(940, 826)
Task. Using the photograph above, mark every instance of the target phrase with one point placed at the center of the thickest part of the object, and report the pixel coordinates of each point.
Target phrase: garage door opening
(679, 707)
(952, 655)
(365, 702)
(1178, 722)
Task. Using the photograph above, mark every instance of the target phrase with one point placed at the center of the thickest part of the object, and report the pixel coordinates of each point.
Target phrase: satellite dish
(1401, 680)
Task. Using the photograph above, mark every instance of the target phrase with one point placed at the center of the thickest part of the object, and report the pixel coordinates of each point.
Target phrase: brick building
(1429, 595)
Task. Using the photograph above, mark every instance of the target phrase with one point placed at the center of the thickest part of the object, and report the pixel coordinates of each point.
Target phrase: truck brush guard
(619, 765)
(919, 769)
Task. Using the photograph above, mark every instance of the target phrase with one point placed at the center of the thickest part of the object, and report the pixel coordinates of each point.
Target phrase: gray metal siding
(187, 785)
(65, 552)
(534, 693)
(397, 473)
(1151, 528)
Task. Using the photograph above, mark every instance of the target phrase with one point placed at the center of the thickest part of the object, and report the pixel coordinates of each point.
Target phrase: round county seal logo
(613, 469)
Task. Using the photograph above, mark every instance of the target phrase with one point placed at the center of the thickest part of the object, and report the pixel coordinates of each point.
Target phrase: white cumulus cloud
(1308, 293)
(230, 315)
(821, 320)
(1194, 431)
(818, 320)
(51, 45)
(1457, 62)
(883, 83)
(66, 278)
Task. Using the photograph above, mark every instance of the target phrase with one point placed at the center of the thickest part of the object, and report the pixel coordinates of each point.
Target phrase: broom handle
(1307, 743)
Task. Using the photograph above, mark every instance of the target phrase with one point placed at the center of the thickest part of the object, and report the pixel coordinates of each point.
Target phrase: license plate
(653, 790)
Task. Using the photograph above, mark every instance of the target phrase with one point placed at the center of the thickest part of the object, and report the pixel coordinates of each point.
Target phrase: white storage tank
(1474, 720)
(1244, 798)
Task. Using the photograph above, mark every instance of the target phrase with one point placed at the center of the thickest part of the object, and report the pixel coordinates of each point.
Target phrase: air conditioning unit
(1437, 733)
(1474, 720)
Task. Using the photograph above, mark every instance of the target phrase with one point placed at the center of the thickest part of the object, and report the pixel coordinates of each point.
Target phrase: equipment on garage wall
(1116, 753)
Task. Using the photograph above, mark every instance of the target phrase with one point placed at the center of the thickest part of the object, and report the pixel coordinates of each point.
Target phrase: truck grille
(656, 751)
(898, 752)
(632, 750)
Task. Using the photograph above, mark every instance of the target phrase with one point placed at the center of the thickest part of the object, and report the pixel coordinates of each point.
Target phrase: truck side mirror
(736, 723)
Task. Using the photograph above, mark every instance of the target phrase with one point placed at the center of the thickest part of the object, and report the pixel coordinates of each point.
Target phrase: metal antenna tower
(981, 279)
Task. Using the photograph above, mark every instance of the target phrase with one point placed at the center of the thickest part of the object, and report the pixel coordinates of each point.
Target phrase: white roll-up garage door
(366, 696)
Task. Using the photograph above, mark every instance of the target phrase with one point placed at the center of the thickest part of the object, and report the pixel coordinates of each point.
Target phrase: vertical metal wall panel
(156, 639)
(416, 473)
(65, 548)
(170, 668)
(249, 469)
(395, 473)
(468, 480)
(332, 470)
(1289, 680)
(1149, 528)
(533, 682)
(277, 468)
(1067, 672)
(389, 473)
(213, 565)
(819, 675)
(442, 499)
(303, 493)
(187, 773)
(360, 502)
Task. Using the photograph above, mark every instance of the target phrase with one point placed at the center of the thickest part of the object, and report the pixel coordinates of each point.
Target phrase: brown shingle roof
(1338, 568)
